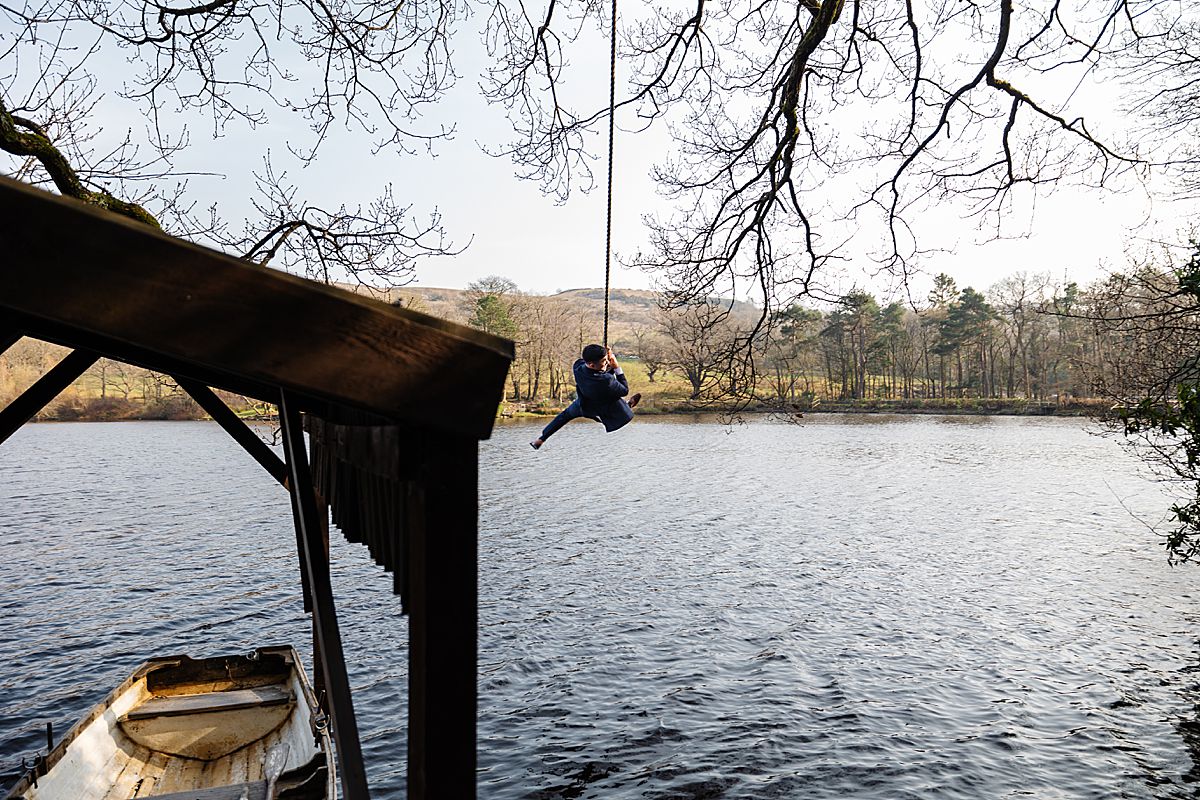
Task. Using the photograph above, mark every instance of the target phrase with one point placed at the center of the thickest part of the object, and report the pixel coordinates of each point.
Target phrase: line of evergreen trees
(1025, 338)
(1020, 340)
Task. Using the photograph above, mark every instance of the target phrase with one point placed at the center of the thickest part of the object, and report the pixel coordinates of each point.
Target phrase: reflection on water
(868, 606)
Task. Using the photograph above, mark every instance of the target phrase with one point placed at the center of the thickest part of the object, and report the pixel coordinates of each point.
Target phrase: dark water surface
(868, 607)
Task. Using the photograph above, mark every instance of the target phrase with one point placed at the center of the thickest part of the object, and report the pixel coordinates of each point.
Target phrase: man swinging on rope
(601, 388)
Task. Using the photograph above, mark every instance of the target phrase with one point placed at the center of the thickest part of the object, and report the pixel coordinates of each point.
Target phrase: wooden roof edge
(497, 344)
(93, 280)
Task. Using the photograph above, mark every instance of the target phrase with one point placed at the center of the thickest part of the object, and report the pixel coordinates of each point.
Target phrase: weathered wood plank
(256, 790)
(443, 620)
(239, 326)
(10, 334)
(370, 448)
(177, 705)
(361, 470)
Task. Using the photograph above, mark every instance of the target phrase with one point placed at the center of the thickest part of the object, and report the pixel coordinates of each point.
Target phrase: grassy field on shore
(115, 392)
(671, 394)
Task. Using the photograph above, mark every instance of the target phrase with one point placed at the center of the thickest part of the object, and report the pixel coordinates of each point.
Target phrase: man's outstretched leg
(569, 413)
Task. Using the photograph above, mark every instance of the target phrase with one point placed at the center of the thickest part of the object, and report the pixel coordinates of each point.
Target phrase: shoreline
(978, 408)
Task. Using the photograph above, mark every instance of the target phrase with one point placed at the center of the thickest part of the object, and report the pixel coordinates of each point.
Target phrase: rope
(612, 107)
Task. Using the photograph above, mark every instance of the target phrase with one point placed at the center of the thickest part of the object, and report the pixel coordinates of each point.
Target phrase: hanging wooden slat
(363, 470)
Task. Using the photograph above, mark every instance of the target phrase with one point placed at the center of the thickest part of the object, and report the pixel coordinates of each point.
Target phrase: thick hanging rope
(612, 107)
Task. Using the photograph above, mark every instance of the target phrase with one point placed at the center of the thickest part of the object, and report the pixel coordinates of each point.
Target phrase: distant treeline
(1025, 339)
(1022, 339)
(1019, 340)
(110, 390)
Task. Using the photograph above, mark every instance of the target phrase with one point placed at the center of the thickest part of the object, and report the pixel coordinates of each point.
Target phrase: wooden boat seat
(256, 790)
(181, 705)
(208, 725)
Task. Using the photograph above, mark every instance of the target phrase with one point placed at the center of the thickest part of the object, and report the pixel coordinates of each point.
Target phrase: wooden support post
(318, 682)
(236, 428)
(309, 529)
(47, 387)
(443, 620)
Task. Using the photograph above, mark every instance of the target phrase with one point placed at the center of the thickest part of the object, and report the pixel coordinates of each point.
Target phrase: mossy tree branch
(33, 142)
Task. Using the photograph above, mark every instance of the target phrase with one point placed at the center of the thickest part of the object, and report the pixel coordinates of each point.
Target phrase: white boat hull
(200, 727)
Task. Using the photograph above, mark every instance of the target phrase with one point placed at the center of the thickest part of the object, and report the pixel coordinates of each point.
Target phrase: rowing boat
(243, 727)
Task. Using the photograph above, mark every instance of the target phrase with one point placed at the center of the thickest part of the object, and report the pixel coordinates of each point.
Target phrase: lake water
(867, 607)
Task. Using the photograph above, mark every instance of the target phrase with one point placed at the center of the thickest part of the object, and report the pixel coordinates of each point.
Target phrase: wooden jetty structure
(394, 402)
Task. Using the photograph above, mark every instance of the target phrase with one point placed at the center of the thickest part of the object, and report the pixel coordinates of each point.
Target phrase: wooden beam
(236, 428)
(130, 292)
(316, 559)
(48, 387)
(10, 334)
(443, 620)
(69, 337)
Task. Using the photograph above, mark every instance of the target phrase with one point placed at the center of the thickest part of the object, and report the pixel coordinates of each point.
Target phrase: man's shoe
(633, 401)
(536, 444)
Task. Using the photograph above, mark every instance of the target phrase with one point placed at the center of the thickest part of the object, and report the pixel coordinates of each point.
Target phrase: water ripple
(871, 607)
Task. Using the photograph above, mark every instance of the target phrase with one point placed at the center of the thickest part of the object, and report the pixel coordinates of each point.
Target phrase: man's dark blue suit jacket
(601, 396)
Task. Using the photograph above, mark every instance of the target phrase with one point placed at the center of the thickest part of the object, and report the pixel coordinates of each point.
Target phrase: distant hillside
(629, 309)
